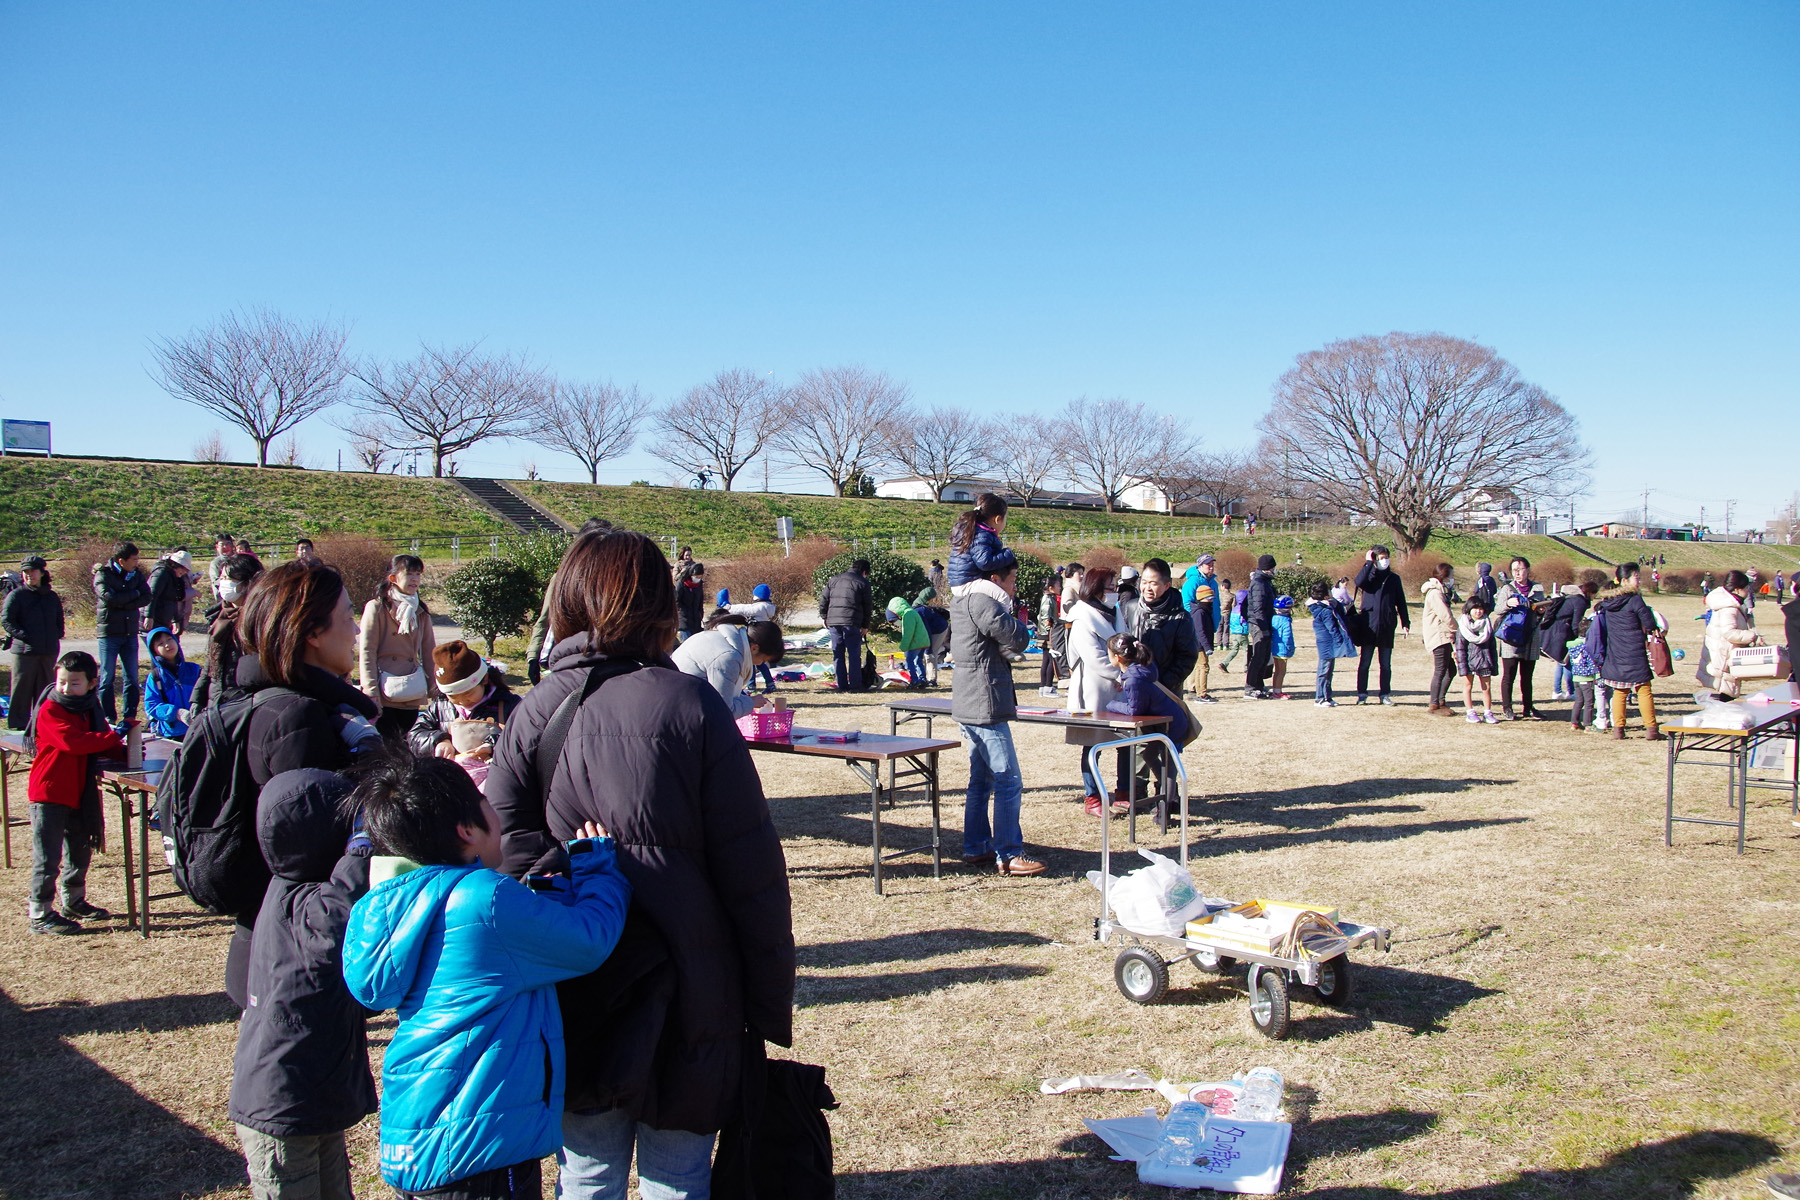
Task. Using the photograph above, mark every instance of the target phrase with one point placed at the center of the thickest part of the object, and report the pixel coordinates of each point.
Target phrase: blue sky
(1005, 206)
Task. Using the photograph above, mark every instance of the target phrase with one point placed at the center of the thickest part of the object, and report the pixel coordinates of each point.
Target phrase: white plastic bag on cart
(1157, 900)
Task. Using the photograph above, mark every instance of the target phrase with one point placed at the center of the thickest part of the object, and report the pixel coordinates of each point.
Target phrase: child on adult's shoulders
(69, 732)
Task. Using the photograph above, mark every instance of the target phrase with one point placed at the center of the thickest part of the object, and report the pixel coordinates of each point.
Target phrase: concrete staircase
(501, 500)
(1563, 541)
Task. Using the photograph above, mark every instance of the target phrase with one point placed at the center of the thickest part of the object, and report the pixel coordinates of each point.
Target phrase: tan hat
(182, 558)
(457, 667)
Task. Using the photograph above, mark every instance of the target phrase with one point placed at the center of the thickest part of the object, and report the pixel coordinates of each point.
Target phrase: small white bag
(1158, 900)
(404, 689)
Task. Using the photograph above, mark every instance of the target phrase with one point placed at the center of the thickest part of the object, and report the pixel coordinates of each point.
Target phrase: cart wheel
(1334, 987)
(1211, 962)
(1269, 1002)
(1142, 975)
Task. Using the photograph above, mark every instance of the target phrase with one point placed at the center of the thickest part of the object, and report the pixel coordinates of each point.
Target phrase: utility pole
(1729, 505)
(1646, 506)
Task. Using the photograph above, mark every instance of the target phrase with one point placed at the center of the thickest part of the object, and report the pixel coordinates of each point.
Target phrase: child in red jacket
(65, 793)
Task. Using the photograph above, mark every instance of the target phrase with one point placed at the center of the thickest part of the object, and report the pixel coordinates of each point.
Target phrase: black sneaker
(54, 923)
(1207, 699)
(86, 911)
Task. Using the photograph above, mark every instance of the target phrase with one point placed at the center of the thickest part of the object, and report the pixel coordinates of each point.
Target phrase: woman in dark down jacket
(299, 640)
(1626, 667)
(656, 1037)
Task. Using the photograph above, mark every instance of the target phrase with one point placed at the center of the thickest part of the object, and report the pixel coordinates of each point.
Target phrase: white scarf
(1473, 631)
(406, 612)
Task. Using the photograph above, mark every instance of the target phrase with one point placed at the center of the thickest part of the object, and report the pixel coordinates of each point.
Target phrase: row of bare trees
(1407, 430)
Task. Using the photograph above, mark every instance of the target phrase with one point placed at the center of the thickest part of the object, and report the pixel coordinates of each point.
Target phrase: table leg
(893, 722)
(1669, 792)
(875, 821)
(6, 805)
(144, 864)
(1793, 770)
(1130, 795)
(125, 850)
(931, 784)
(1743, 796)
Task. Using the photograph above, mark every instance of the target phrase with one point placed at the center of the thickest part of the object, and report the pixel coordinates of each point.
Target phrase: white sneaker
(1046, 691)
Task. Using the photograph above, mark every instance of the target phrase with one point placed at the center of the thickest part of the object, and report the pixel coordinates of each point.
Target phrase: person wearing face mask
(1385, 611)
(224, 646)
(1518, 659)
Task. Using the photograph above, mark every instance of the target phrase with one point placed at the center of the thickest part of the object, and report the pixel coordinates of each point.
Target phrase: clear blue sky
(1005, 205)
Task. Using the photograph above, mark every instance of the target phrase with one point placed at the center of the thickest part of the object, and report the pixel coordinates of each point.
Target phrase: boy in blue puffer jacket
(472, 1083)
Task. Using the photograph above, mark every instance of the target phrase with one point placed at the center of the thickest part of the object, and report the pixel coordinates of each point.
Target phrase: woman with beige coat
(1727, 627)
(1440, 634)
(393, 648)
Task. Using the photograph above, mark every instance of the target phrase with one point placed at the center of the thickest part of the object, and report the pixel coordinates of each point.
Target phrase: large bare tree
(945, 444)
(1027, 454)
(594, 422)
(1108, 444)
(718, 428)
(447, 399)
(842, 422)
(259, 370)
(1410, 428)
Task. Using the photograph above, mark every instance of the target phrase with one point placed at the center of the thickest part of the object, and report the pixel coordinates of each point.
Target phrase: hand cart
(1141, 969)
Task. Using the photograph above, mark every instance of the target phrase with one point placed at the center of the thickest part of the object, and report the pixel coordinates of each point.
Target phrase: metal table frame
(1735, 747)
(927, 708)
(866, 758)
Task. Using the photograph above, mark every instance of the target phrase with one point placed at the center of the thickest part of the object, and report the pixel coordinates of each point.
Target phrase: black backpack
(206, 809)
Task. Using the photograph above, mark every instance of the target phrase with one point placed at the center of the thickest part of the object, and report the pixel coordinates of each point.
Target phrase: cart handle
(1106, 810)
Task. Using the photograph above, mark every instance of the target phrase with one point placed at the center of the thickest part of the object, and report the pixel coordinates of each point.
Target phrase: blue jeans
(115, 652)
(1563, 683)
(915, 665)
(847, 656)
(993, 770)
(595, 1158)
(768, 677)
(1322, 679)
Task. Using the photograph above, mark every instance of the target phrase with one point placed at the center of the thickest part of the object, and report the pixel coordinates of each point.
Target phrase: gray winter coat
(982, 629)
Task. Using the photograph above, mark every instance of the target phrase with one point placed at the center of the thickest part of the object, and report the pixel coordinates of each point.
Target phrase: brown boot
(1653, 733)
(1618, 733)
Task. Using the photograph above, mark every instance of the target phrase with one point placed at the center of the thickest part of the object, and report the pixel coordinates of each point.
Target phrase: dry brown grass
(362, 561)
(1570, 1009)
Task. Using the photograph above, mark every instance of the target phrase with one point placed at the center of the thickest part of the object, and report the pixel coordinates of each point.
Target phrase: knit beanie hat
(457, 668)
(1266, 563)
(762, 592)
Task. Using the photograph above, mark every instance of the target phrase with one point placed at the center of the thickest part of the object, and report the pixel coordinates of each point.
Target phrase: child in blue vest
(472, 1084)
(1282, 626)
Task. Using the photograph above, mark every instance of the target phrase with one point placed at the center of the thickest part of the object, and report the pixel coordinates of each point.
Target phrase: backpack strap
(556, 732)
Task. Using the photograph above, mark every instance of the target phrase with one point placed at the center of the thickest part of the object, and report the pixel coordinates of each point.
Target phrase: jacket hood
(396, 921)
(1719, 598)
(1619, 592)
(1484, 569)
(151, 636)
(1434, 584)
(990, 589)
(899, 605)
(298, 826)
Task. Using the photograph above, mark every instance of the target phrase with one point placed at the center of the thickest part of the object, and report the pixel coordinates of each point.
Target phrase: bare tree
(288, 452)
(258, 370)
(594, 422)
(1027, 454)
(211, 448)
(449, 399)
(1223, 478)
(841, 423)
(1410, 429)
(943, 445)
(719, 427)
(368, 443)
(1108, 444)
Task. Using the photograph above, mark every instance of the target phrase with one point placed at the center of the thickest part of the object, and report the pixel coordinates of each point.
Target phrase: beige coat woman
(1440, 622)
(1726, 629)
(382, 646)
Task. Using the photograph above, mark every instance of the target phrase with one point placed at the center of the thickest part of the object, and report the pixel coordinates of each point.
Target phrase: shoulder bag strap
(549, 750)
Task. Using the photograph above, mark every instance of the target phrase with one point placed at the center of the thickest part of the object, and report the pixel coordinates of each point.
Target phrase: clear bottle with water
(1263, 1088)
(1183, 1134)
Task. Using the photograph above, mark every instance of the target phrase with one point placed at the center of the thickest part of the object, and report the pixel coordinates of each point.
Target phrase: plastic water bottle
(1262, 1095)
(1183, 1134)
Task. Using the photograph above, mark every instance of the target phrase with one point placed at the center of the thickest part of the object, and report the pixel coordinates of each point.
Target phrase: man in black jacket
(1157, 618)
(1384, 611)
(120, 592)
(168, 588)
(1259, 617)
(33, 619)
(846, 608)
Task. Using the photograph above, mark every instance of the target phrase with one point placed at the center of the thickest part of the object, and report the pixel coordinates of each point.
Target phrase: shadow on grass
(812, 991)
(912, 946)
(70, 1127)
(1674, 1169)
(1355, 789)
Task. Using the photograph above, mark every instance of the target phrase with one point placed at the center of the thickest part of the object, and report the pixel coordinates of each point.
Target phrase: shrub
(1110, 557)
(1033, 571)
(1297, 582)
(1414, 569)
(790, 577)
(491, 597)
(1679, 583)
(889, 575)
(362, 561)
(538, 553)
(1553, 570)
(1595, 576)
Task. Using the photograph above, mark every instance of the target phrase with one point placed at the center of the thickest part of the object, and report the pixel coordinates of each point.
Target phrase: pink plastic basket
(764, 725)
